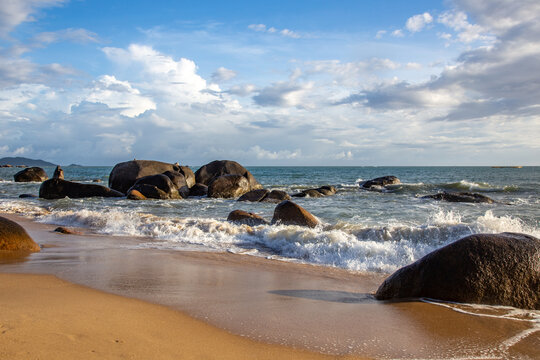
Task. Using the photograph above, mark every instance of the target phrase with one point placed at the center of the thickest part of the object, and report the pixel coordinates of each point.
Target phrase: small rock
(247, 218)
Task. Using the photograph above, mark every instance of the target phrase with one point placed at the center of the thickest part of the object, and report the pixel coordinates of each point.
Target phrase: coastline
(310, 307)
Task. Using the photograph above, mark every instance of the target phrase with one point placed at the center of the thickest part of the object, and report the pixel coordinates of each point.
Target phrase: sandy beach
(274, 306)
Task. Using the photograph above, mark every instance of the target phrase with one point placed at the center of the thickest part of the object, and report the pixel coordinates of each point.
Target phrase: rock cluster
(264, 195)
(326, 190)
(285, 213)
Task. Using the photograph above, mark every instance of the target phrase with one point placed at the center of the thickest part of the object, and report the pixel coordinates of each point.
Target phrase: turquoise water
(361, 230)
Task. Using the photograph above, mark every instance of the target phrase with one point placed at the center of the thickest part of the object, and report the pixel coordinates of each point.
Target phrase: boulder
(58, 189)
(247, 218)
(198, 190)
(135, 195)
(326, 190)
(124, 175)
(228, 186)
(31, 174)
(207, 173)
(276, 196)
(58, 173)
(289, 213)
(179, 181)
(157, 186)
(13, 237)
(381, 182)
(189, 175)
(254, 195)
(460, 197)
(494, 269)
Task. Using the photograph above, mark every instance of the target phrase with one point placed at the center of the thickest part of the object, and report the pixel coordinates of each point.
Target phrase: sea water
(375, 231)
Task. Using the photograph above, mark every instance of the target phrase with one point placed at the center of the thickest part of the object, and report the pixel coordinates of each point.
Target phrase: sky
(345, 83)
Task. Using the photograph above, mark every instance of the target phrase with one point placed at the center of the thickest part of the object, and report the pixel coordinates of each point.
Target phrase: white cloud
(380, 34)
(223, 74)
(261, 153)
(418, 22)
(290, 33)
(258, 27)
(73, 35)
(242, 90)
(272, 30)
(397, 33)
(458, 21)
(14, 12)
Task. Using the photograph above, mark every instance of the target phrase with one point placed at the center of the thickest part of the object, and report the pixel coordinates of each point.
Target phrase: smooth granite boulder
(380, 182)
(198, 190)
(494, 269)
(179, 181)
(157, 186)
(228, 186)
(254, 195)
(58, 189)
(276, 196)
(58, 173)
(13, 237)
(124, 175)
(135, 195)
(326, 190)
(289, 213)
(31, 174)
(211, 171)
(460, 197)
(247, 218)
(188, 175)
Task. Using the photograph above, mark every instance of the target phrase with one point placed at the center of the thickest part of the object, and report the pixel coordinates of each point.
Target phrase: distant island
(24, 161)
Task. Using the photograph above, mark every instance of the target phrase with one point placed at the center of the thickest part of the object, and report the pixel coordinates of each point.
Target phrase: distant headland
(20, 161)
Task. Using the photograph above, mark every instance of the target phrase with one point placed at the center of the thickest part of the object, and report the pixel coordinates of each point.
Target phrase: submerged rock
(289, 213)
(495, 269)
(276, 196)
(65, 230)
(460, 197)
(264, 195)
(31, 174)
(13, 237)
(58, 189)
(326, 190)
(247, 218)
(380, 182)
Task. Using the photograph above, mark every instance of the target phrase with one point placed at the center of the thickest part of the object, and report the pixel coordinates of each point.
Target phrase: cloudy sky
(311, 82)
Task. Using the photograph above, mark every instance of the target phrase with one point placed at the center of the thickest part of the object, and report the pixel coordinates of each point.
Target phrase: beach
(318, 309)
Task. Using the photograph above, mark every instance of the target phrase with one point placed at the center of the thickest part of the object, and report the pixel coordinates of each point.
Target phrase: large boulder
(58, 189)
(198, 190)
(124, 175)
(228, 186)
(254, 195)
(495, 269)
(31, 174)
(380, 182)
(211, 171)
(276, 196)
(289, 213)
(179, 181)
(189, 175)
(157, 186)
(247, 218)
(13, 237)
(460, 197)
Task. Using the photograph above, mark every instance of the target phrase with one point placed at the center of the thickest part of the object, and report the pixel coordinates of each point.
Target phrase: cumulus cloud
(223, 74)
(282, 94)
(418, 22)
(261, 153)
(14, 12)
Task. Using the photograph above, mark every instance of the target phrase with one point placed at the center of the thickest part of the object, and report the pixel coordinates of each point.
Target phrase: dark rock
(198, 190)
(495, 269)
(189, 175)
(179, 180)
(276, 196)
(157, 186)
(24, 196)
(58, 189)
(228, 186)
(254, 195)
(247, 218)
(13, 237)
(207, 173)
(326, 190)
(124, 175)
(65, 230)
(289, 213)
(460, 197)
(58, 173)
(135, 195)
(381, 182)
(31, 174)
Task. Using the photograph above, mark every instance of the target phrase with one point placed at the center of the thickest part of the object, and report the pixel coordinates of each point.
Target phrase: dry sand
(310, 307)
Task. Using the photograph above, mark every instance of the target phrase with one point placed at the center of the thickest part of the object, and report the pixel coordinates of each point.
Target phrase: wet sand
(321, 309)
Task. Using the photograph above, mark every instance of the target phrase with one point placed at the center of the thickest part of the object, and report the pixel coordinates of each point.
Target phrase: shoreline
(310, 307)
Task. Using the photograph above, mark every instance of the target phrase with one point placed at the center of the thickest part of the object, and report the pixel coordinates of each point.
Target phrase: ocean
(368, 231)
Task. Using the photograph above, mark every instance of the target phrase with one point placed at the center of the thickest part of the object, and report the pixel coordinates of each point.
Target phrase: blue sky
(271, 83)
